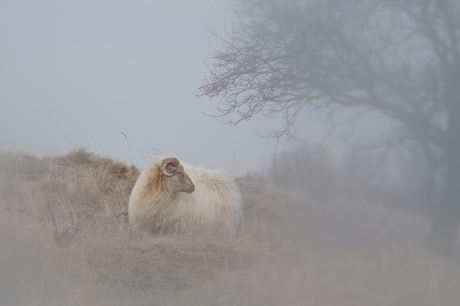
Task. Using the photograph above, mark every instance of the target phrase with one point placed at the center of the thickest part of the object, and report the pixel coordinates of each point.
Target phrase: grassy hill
(65, 240)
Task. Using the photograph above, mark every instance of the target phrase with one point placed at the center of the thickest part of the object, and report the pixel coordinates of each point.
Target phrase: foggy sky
(81, 73)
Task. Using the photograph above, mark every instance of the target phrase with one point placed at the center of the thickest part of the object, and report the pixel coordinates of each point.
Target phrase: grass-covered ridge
(65, 240)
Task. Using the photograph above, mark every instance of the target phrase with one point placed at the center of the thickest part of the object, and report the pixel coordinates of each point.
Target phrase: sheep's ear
(168, 166)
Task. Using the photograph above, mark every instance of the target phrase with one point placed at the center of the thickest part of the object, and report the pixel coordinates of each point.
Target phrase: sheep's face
(178, 179)
(181, 181)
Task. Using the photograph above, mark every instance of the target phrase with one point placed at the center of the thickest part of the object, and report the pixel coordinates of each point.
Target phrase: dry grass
(65, 241)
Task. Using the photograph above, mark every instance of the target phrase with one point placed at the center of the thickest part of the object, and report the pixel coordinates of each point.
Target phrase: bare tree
(399, 57)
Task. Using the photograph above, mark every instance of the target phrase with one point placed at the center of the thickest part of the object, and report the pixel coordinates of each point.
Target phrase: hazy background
(79, 73)
(318, 232)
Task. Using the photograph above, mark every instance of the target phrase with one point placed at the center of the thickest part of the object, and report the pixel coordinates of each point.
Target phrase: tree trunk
(446, 218)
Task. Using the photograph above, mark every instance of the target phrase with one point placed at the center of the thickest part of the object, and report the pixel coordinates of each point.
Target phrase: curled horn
(169, 162)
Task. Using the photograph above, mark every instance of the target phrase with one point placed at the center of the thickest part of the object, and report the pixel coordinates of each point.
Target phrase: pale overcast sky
(80, 73)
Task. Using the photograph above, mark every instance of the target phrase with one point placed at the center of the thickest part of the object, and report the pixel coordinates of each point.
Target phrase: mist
(82, 73)
(345, 150)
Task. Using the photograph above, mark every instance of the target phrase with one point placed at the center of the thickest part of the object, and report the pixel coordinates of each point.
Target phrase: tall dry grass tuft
(70, 193)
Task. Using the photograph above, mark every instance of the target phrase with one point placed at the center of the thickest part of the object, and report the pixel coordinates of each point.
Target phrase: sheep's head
(178, 178)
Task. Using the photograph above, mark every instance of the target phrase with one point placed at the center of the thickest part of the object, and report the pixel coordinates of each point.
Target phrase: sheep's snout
(190, 188)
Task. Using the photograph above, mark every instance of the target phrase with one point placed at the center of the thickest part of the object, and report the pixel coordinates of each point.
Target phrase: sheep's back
(214, 207)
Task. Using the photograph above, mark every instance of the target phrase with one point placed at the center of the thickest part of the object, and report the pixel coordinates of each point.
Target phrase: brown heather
(65, 241)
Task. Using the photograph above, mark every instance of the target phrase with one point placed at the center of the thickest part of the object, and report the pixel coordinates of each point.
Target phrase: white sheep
(166, 199)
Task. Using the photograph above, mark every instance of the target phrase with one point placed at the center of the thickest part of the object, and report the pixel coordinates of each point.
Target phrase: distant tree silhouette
(399, 57)
(305, 169)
